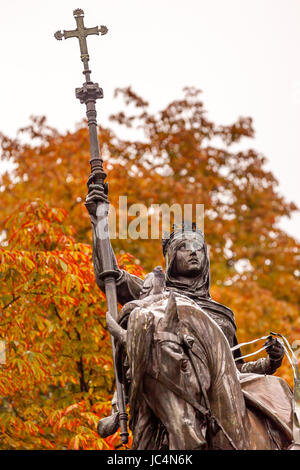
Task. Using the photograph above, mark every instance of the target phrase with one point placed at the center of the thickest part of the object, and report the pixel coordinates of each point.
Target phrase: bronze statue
(172, 343)
(173, 355)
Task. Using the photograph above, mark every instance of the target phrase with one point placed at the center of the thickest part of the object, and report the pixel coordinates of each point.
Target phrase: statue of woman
(188, 273)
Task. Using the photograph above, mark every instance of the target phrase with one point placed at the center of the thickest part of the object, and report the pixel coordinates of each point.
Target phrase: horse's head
(171, 386)
(171, 364)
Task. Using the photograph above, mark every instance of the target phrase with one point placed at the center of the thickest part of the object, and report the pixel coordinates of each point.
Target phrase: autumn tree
(57, 380)
(180, 156)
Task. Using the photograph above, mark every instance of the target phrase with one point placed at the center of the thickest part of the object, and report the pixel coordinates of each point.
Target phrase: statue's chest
(225, 325)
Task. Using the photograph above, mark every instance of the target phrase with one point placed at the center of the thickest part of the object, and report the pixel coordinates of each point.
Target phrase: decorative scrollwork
(58, 35)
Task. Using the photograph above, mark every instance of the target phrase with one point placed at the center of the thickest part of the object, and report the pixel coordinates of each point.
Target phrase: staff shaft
(108, 275)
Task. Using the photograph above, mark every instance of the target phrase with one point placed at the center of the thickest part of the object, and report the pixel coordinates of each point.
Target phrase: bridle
(188, 343)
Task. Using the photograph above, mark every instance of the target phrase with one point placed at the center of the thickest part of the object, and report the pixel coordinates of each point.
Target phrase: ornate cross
(81, 33)
(90, 91)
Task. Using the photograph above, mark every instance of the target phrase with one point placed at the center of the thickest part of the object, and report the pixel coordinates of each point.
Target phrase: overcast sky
(243, 54)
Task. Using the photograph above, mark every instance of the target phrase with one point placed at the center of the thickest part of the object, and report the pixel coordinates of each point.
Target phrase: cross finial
(81, 33)
(90, 91)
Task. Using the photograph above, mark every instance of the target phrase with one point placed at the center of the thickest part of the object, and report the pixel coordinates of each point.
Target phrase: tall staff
(88, 94)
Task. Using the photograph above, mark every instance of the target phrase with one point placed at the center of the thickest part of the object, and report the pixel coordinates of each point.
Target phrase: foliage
(58, 377)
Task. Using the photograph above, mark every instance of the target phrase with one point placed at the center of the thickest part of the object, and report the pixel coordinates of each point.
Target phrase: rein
(285, 344)
(294, 364)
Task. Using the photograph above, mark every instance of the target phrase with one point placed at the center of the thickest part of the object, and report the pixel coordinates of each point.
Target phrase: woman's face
(190, 256)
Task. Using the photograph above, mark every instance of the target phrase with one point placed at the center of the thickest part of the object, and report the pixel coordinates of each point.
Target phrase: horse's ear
(171, 320)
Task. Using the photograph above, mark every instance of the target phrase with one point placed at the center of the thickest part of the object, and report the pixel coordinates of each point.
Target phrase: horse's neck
(225, 393)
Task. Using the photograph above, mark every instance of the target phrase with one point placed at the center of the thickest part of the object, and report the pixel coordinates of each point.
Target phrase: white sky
(243, 54)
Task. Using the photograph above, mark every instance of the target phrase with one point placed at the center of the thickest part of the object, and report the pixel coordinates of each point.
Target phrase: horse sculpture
(184, 389)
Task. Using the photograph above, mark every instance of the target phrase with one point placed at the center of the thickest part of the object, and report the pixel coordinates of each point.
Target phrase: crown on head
(179, 230)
